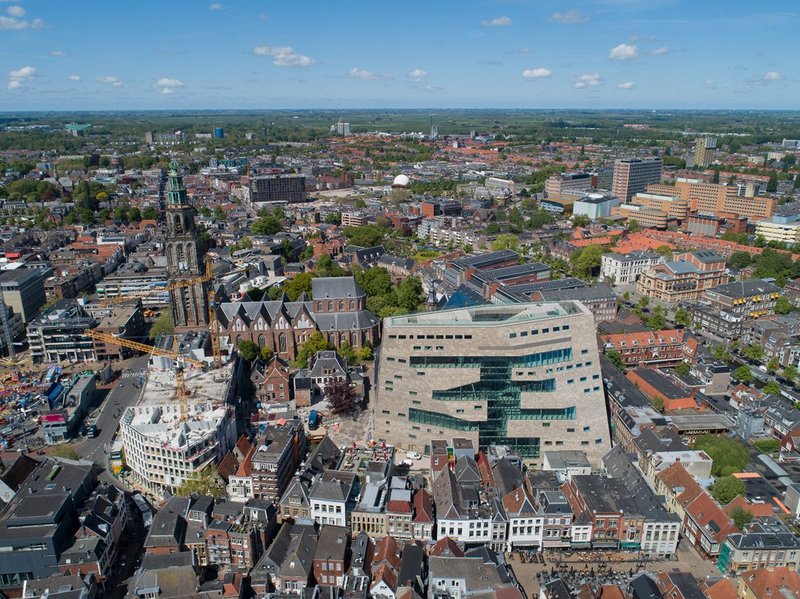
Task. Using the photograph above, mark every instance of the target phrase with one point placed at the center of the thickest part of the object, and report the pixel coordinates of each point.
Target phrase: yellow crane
(143, 347)
(121, 299)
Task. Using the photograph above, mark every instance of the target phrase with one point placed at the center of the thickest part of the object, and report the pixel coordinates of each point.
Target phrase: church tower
(185, 257)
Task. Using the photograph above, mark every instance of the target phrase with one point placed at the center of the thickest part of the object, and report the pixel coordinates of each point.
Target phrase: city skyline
(594, 54)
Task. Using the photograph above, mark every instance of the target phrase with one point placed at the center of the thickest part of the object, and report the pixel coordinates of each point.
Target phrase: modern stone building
(522, 375)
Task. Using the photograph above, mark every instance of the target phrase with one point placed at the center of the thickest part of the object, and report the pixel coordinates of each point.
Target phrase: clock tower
(185, 257)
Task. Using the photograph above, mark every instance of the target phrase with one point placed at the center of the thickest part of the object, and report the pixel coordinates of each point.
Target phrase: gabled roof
(335, 288)
(710, 517)
(680, 482)
(446, 547)
(517, 503)
(423, 508)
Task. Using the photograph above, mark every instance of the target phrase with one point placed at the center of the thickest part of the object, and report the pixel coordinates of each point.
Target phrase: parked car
(413, 455)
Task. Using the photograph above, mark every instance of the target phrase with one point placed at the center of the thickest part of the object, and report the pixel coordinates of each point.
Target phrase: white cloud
(523, 50)
(166, 90)
(74, 77)
(58, 53)
(418, 74)
(215, 6)
(773, 76)
(364, 75)
(660, 51)
(588, 80)
(14, 23)
(569, 18)
(17, 77)
(623, 52)
(284, 56)
(537, 73)
(497, 22)
(16, 11)
(626, 85)
(110, 80)
(166, 82)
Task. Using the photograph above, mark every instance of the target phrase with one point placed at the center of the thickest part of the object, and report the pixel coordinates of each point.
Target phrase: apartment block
(725, 310)
(649, 348)
(714, 198)
(504, 375)
(704, 149)
(633, 175)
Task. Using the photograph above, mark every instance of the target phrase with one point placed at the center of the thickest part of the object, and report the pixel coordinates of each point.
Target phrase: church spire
(176, 192)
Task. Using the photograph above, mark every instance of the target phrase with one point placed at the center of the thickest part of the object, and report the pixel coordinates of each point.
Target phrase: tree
(266, 225)
(664, 250)
(715, 177)
(740, 259)
(772, 365)
(248, 350)
(615, 358)
(374, 281)
(728, 455)
(300, 284)
(265, 353)
(741, 517)
(754, 352)
(587, 261)
(365, 236)
(658, 403)
(682, 369)
(340, 396)
(580, 220)
(682, 317)
(726, 489)
(743, 374)
(643, 302)
(658, 319)
(150, 213)
(773, 387)
(767, 445)
(349, 353)
(365, 354)
(633, 226)
(205, 482)
(163, 324)
(720, 353)
(315, 343)
(772, 184)
(790, 373)
(506, 241)
(408, 294)
(219, 214)
(783, 305)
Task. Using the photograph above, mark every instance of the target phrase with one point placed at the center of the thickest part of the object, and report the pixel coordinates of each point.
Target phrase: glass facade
(501, 394)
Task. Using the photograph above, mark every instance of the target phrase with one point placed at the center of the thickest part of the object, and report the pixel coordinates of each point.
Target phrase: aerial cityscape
(454, 300)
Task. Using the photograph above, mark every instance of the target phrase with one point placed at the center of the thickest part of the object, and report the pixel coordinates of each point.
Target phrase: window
(565, 327)
(545, 331)
(584, 352)
(556, 329)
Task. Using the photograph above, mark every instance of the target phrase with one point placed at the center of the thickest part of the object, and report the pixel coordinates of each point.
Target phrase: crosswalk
(131, 374)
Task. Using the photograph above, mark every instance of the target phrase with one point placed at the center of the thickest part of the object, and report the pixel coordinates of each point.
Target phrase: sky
(250, 54)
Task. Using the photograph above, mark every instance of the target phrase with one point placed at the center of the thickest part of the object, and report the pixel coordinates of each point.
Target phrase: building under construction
(163, 445)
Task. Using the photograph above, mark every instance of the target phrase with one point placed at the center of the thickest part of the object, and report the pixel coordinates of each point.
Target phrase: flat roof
(490, 315)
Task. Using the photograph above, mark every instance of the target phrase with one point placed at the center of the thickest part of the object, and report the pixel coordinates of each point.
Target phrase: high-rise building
(522, 375)
(287, 189)
(704, 149)
(185, 253)
(22, 290)
(633, 175)
(343, 128)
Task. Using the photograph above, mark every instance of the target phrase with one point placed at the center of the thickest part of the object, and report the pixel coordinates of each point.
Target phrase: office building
(595, 206)
(58, 334)
(532, 382)
(558, 184)
(783, 228)
(633, 175)
(285, 189)
(22, 290)
(343, 128)
(671, 205)
(684, 277)
(704, 149)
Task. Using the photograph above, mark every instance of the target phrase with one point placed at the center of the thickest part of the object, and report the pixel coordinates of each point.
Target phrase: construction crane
(121, 299)
(143, 347)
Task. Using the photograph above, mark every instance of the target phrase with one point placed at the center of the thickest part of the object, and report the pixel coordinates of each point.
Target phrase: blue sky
(172, 54)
